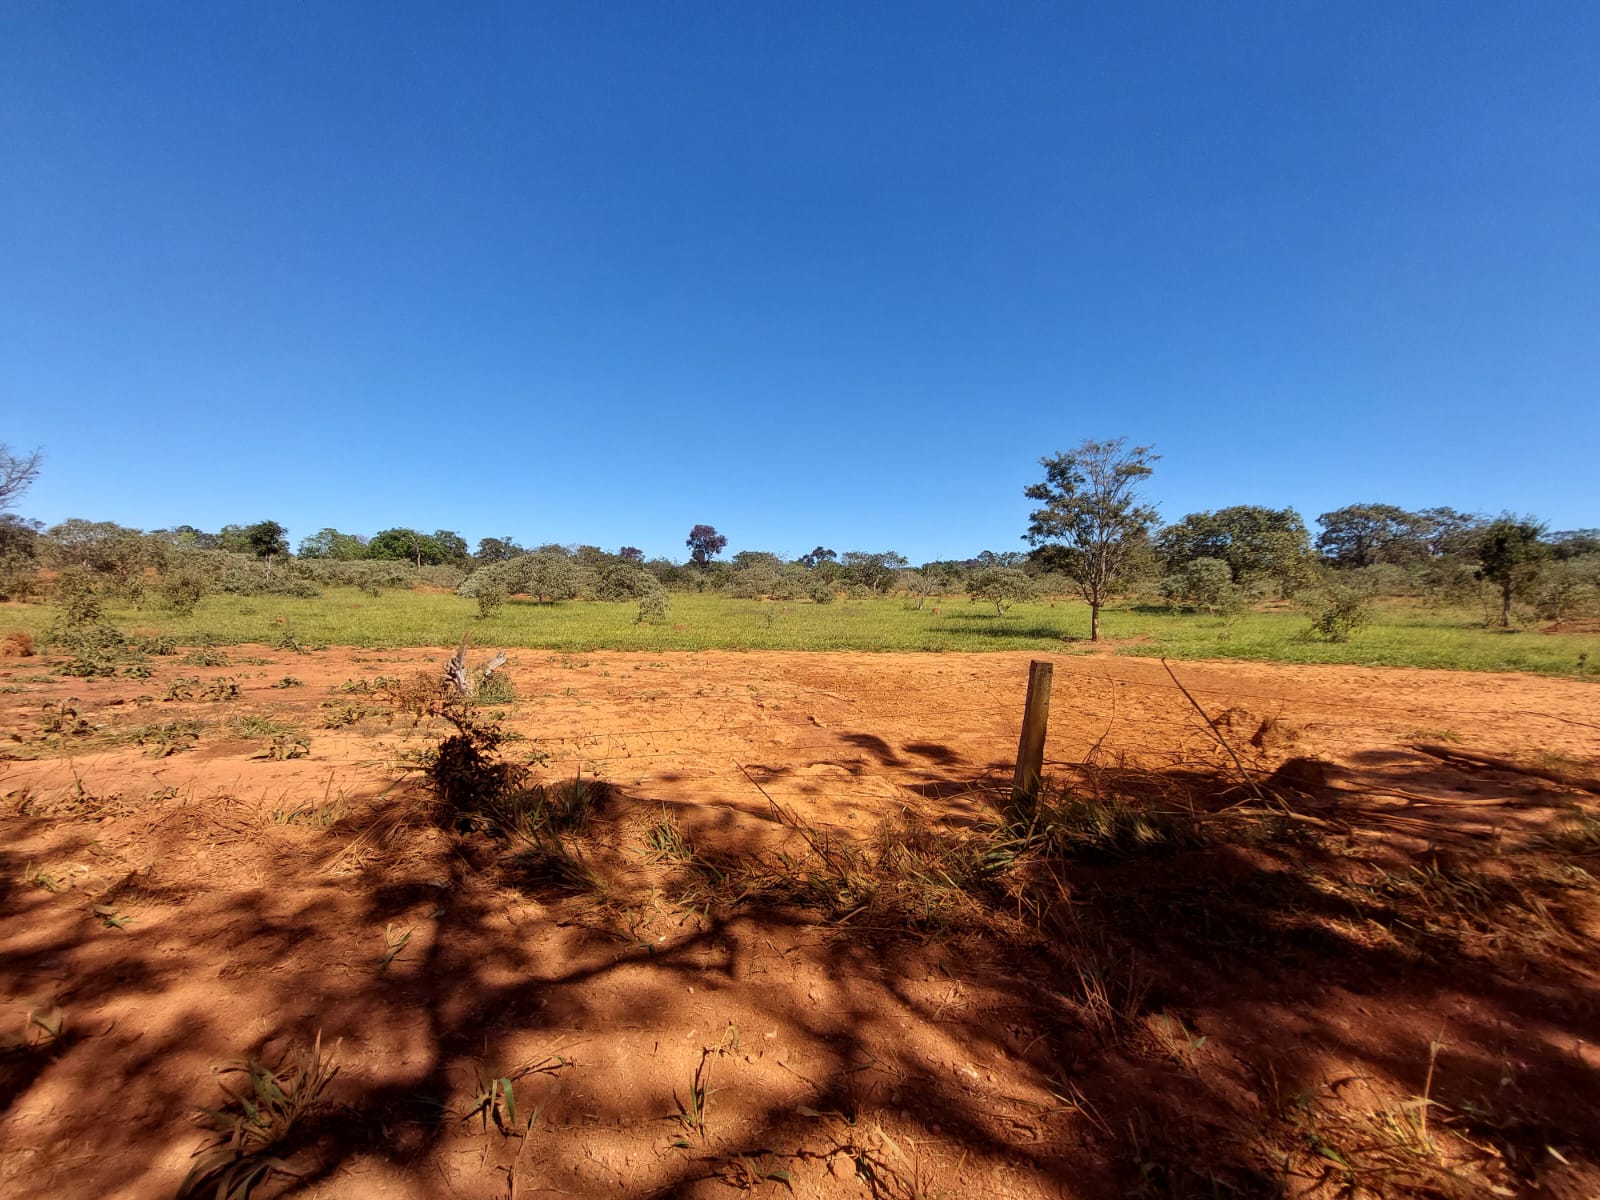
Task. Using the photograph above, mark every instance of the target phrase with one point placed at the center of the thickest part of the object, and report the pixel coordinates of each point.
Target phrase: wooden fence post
(1030, 747)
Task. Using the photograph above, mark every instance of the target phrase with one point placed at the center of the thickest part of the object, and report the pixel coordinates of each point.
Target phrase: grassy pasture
(1402, 635)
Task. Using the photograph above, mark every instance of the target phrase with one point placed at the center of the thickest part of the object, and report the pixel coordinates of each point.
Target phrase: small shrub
(1344, 613)
(288, 641)
(181, 592)
(204, 656)
(166, 739)
(497, 688)
(652, 607)
(341, 714)
(163, 646)
(288, 745)
(492, 597)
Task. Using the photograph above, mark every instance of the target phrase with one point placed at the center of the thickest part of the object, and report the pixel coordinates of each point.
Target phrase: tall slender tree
(1091, 523)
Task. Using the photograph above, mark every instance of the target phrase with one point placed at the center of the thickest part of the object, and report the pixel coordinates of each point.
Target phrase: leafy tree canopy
(1510, 550)
(331, 544)
(1091, 523)
(705, 543)
(1254, 542)
(1361, 535)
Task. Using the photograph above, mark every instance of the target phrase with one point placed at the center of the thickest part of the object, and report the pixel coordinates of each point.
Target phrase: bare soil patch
(1366, 968)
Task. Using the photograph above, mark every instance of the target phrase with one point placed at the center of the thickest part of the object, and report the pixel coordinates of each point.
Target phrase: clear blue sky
(812, 273)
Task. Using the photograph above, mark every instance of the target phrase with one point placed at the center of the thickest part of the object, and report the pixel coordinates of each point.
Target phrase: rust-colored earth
(1388, 988)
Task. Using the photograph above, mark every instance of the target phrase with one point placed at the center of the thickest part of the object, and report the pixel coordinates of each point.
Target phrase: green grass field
(1402, 636)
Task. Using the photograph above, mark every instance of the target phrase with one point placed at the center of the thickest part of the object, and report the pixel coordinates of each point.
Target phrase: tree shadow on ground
(1172, 999)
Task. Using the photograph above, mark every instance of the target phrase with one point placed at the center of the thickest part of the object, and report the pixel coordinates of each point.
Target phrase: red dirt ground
(1245, 1017)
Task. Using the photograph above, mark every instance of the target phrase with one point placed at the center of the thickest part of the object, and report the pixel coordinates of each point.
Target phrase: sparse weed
(691, 1114)
(285, 746)
(496, 1098)
(205, 656)
(394, 944)
(314, 816)
(341, 714)
(288, 641)
(166, 738)
(289, 681)
(553, 865)
(54, 879)
(255, 1130)
(258, 725)
(60, 718)
(110, 917)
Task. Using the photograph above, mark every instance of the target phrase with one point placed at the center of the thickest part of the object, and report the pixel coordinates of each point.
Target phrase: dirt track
(949, 1063)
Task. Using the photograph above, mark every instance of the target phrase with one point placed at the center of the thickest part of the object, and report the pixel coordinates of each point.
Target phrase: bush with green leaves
(546, 576)
(492, 597)
(1205, 584)
(1567, 588)
(181, 591)
(652, 606)
(97, 647)
(1000, 586)
(1343, 612)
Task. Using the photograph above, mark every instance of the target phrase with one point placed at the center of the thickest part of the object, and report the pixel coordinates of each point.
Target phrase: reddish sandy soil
(1249, 1016)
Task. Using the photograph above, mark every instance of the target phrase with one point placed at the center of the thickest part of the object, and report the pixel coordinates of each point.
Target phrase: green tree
(266, 540)
(549, 577)
(1092, 525)
(402, 543)
(1509, 553)
(115, 551)
(1449, 533)
(704, 543)
(875, 569)
(331, 544)
(1000, 586)
(1205, 583)
(1256, 544)
(493, 550)
(452, 546)
(1574, 543)
(1360, 535)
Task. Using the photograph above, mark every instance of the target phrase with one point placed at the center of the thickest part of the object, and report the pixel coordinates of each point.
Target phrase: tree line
(1092, 534)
